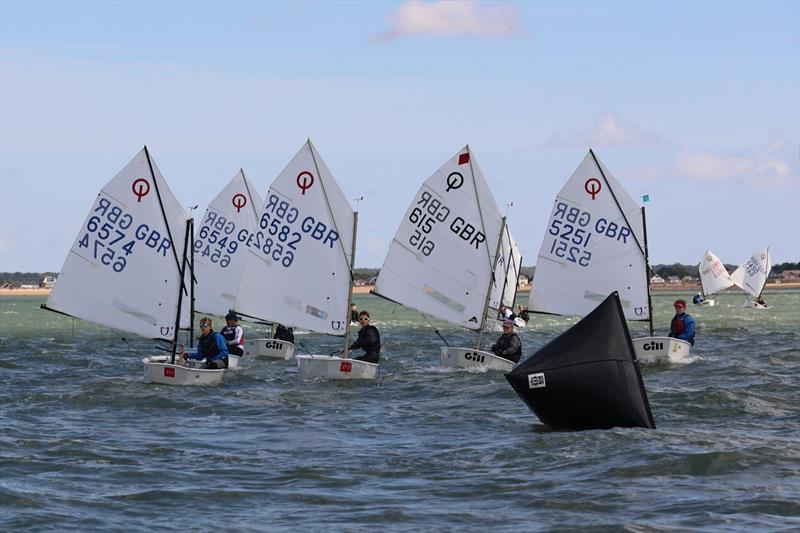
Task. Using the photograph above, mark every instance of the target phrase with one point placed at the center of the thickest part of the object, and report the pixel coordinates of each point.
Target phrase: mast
(491, 280)
(191, 287)
(182, 273)
(647, 273)
(350, 291)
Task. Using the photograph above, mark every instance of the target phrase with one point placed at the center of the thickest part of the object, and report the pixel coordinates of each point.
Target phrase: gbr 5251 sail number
(571, 228)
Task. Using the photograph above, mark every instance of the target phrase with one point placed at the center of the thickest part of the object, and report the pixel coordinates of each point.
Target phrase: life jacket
(207, 346)
(230, 334)
(364, 342)
(504, 342)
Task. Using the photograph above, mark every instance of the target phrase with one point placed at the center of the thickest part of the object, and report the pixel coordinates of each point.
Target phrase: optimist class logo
(140, 188)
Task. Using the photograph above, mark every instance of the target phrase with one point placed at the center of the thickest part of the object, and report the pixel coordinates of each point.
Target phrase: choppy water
(86, 445)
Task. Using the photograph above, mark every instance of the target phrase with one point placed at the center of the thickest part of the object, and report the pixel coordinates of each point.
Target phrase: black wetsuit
(284, 334)
(508, 346)
(368, 340)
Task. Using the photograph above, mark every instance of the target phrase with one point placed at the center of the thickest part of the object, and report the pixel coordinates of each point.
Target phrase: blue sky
(696, 104)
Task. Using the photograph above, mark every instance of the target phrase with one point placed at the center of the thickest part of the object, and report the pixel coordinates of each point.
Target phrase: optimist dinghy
(444, 258)
(596, 244)
(752, 276)
(299, 265)
(129, 268)
(714, 278)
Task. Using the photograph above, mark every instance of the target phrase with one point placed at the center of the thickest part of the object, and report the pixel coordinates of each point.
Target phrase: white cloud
(445, 18)
(609, 131)
(761, 169)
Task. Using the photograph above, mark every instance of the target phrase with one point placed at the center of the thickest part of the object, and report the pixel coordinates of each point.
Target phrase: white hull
(157, 369)
(755, 305)
(708, 303)
(268, 349)
(334, 367)
(473, 359)
(650, 350)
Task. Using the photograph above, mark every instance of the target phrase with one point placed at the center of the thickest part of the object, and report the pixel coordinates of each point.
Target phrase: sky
(695, 103)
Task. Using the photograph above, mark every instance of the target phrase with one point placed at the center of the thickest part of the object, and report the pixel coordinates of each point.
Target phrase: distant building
(656, 279)
(47, 282)
(688, 279)
(673, 279)
(523, 281)
(789, 275)
(8, 285)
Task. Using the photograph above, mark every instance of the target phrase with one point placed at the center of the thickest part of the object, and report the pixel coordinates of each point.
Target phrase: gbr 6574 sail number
(110, 235)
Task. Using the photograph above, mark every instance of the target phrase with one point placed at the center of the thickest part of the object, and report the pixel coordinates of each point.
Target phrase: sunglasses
(205, 326)
(364, 318)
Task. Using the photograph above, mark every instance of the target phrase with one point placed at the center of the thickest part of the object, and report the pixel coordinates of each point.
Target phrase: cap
(231, 316)
(680, 302)
(508, 322)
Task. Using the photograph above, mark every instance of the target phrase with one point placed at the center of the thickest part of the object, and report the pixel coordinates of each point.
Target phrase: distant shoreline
(366, 289)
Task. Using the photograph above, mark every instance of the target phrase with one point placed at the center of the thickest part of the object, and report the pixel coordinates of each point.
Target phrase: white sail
(441, 259)
(752, 275)
(123, 270)
(713, 275)
(298, 268)
(506, 274)
(593, 245)
(221, 244)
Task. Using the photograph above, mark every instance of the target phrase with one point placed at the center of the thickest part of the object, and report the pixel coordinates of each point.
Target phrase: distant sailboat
(752, 276)
(587, 377)
(129, 268)
(299, 268)
(714, 277)
(444, 256)
(506, 279)
(596, 244)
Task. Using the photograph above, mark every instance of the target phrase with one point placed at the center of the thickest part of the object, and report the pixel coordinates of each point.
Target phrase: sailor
(682, 325)
(523, 312)
(508, 345)
(369, 340)
(282, 333)
(353, 314)
(508, 314)
(761, 301)
(698, 299)
(234, 334)
(211, 347)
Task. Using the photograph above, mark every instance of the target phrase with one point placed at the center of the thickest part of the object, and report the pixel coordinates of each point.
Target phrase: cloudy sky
(695, 104)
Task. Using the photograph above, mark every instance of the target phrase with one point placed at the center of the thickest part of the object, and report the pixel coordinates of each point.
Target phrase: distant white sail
(593, 245)
(299, 263)
(221, 244)
(713, 275)
(506, 273)
(123, 270)
(441, 259)
(752, 275)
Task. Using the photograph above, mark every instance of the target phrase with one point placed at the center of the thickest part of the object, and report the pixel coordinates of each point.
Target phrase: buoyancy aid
(230, 334)
(677, 326)
(207, 346)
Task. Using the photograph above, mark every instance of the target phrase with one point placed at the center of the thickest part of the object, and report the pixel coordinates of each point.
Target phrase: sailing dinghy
(221, 247)
(752, 276)
(714, 278)
(506, 279)
(443, 256)
(129, 268)
(596, 244)
(299, 265)
(587, 377)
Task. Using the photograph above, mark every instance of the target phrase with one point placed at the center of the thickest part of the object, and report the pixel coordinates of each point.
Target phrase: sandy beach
(39, 291)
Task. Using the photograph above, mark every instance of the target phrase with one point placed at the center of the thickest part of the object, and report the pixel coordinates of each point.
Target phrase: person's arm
(513, 345)
(358, 343)
(223, 347)
(237, 340)
(688, 331)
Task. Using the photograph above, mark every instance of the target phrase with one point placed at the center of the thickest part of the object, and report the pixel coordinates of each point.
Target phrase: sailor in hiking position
(211, 347)
(682, 325)
(233, 334)
(369, 340)
(282, 333)
(508, 345)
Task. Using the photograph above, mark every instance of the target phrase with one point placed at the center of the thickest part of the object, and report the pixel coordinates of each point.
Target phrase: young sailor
(682, 325)
(283, 333)
(234, 334)
(369, 340)
(211, 347)
(508, 345)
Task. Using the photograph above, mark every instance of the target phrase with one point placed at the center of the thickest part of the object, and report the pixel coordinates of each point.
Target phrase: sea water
(87, 446)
